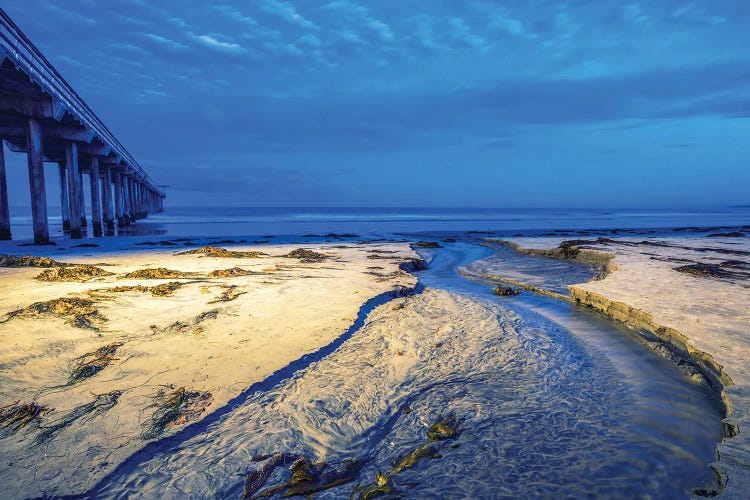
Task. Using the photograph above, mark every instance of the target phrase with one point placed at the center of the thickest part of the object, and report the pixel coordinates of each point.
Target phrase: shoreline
(385, 263)
(731, 468)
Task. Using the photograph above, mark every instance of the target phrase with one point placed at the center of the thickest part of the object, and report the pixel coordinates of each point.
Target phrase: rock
(505, 291)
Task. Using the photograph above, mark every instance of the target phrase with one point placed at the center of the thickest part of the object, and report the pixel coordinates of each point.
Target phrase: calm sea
(257, 221)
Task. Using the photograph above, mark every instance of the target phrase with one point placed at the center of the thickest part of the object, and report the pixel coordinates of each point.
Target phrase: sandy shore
(120, 360)
(693, 294)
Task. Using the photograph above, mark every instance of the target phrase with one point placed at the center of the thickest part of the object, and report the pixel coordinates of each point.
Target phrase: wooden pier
(41, 115)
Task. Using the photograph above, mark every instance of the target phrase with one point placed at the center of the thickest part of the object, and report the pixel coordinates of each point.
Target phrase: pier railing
(27, 57)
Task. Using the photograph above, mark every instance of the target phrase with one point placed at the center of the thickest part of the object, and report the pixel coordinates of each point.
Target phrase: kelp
(28, 261)
(89, 364)
(175, 407)
(306, 256)
(80, 272)
(307, 478)
(232, 272)
(192, 327)
(162, 290)
(15, 416)
(78, 312)
(100, 404)
(230, 293)
(157, 274)
(443, 428)
(211, 251)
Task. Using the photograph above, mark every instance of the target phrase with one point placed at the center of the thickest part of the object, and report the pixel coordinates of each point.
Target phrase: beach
(163, 367)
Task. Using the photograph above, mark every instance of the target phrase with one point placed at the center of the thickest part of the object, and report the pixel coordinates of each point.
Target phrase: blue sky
(429, 103)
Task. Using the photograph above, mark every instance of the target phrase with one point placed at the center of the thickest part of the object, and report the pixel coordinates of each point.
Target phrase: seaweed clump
(306, 256)
(730, 269)
(210, 251)
(27, 261)
(91, 363)
(157, 274)
(230, 293)
(176, 407)
(232, 272)
(188, 327)
(442, 429)
(15, 416)
(78, 312)
(307, 478)
(505, 291)
(428, 244)
(100, 404)
(162, 290)
(81, 272)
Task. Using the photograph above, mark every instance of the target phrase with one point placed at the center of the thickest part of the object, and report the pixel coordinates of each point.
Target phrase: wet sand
(119, 363)
(691, 295)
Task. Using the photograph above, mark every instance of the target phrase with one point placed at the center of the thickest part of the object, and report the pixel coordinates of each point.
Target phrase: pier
(42, 116)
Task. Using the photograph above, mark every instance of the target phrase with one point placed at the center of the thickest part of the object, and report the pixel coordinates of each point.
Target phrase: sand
(213, 336)
(713, 313)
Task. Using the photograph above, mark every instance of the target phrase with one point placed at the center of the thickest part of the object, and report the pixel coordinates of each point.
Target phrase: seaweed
(15, 416)
(162, 290)
(193, 327)
(231, 272)
(157, 274)
(78, 312)
(428, 244)
(100, 404)
(85, 245)
(219, 252)
(230, 293)
(307, 478)
(176, 407)
(27, 261)
(505, 291)
(81, 272)
(91, 363)
(306, 256)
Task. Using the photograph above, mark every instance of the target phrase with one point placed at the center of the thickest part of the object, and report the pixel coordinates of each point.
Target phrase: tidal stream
(546, 399)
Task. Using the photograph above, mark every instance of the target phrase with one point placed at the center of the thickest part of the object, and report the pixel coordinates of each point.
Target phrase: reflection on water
(548, 400)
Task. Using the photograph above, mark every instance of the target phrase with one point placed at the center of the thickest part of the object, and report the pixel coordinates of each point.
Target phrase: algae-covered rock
(219, 252)
(428, 244)
(27, 261)
(157, 274)
(305, 255)
(232, 272)
(78, 312)
(81, 272)
(505, 291)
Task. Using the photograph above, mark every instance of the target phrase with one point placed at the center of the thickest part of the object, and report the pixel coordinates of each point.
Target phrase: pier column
(109, 219)
(96, 211)
(82, 199)
(118, 197)
(127, 208)
(4, 205)
(64, 200)
(36, 181)
(74, 189)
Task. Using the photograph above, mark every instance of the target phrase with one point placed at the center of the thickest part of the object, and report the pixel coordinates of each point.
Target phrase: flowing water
(546, 400)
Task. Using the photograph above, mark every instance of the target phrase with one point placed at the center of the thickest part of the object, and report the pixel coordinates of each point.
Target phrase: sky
(532, 103)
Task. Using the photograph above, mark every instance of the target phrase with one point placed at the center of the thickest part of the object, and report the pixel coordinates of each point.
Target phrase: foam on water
(548, 404)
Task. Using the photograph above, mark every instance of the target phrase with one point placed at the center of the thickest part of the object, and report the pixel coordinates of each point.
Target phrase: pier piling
(96, 212)
(36, 181)
(74, 191)
(64, 201)
(4, 205)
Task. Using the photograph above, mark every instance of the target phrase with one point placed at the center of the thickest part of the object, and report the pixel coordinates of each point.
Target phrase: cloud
(236, 15)
(225, 47)
(166, 42)
(288, 12)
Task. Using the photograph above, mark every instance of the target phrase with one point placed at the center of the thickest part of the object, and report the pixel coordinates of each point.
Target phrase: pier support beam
(109, 218)
(74, 189)
(4, 205)
(64, 199)
(36, 181)
(96, 211)
(82, 199)
(118, 197)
